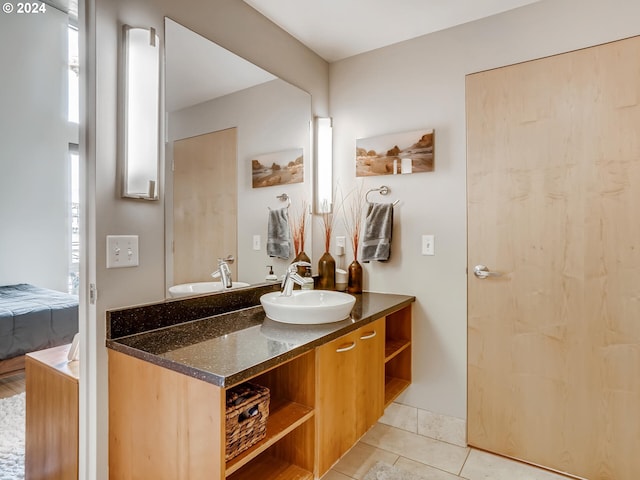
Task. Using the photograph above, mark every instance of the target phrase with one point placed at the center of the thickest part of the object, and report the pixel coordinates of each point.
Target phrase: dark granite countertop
(229, 348)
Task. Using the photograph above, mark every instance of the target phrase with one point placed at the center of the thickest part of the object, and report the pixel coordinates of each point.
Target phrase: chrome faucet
(291, 277)
(223, 272)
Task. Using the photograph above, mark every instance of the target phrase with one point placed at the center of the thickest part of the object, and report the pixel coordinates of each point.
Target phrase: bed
(33, 318)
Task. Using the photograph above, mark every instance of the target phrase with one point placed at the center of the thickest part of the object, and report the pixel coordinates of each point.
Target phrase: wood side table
(51, 415)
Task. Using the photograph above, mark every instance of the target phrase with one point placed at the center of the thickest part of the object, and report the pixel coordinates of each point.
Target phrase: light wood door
(204, 205)
(553, 203)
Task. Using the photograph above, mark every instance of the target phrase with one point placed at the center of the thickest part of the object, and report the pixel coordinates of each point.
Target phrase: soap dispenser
(271, 277)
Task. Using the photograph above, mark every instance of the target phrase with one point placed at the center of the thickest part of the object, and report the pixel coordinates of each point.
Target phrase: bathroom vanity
(171, 364)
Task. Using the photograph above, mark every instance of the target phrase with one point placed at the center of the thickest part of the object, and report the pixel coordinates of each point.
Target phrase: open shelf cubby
(287, 449)
(269, 467)
(397, 354)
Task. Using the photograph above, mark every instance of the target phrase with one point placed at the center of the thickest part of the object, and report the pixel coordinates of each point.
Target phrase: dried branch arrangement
(353, 211)
(298, 228)
(327, 226)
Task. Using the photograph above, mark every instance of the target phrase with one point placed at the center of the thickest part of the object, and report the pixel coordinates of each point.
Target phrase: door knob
(482, 272)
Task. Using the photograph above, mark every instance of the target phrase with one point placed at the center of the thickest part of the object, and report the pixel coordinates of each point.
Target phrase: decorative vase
(302, 257)
(354, 284)
(326, 272)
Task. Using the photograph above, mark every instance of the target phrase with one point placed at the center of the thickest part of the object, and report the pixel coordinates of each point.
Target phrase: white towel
(278, 233)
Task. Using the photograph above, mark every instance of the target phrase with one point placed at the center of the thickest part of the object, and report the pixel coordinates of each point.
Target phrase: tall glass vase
(354, 284)
(326, 272)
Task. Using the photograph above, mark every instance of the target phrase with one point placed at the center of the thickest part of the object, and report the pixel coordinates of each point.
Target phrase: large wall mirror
(223, 113)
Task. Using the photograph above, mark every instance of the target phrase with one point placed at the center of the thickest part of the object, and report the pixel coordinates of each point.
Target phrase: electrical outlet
(256, 242)
(122, 251)
(428, 247)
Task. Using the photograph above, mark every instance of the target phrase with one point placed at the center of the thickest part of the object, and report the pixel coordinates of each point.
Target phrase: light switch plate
(256, 242)
(340, 245)
(122, 251)
(428, 247)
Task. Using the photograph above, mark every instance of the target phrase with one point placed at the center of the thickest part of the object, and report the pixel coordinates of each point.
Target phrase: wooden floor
(12, 385)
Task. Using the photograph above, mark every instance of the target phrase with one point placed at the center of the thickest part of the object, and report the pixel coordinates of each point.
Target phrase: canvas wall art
(278, 168)
(395, 154)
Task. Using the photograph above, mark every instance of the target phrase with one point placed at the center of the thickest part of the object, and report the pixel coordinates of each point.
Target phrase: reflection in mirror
(324, 165)
(221, 113)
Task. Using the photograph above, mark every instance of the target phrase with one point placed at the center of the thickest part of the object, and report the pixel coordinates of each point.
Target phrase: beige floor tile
(333, 475)
(401, 416)
(441, 427)
(444, 456)
(429, 473)
(482, 465)
(357, 461)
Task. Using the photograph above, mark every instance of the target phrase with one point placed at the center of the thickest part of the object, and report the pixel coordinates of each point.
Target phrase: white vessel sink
(309, 307)
(198, 288)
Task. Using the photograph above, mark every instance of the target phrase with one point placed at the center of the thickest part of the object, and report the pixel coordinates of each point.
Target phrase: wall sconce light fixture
(324, 164)
(141, 115)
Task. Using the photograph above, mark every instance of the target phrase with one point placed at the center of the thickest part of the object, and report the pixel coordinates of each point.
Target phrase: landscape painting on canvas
(393, 154)
(278, 168)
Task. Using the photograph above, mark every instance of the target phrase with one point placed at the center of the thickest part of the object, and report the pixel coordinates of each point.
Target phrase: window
(73, 116)
(74, 259)
(74, 71)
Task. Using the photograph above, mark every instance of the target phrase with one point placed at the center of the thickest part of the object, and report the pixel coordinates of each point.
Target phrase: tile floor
(432, 459)
(417, 454)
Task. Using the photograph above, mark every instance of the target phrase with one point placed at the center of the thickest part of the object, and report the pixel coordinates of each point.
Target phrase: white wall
(235, 26)
(270, 117)
(420, 84)
(35, 200)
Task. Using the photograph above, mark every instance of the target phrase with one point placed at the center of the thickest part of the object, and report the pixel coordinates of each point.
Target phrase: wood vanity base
(167, 425)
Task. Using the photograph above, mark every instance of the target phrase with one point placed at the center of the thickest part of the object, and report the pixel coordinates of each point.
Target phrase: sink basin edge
(308, 307)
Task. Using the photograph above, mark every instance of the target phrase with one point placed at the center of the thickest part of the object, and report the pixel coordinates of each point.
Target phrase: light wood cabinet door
(335, 405)
(350, 373)
(369, 376)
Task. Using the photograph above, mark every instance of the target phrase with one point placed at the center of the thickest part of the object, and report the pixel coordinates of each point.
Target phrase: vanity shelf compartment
(394, 347)
(397, 354)
(398, 329)
(392, 388)
(269, 467)
(246, 417)
(290, 422)
(284, 417)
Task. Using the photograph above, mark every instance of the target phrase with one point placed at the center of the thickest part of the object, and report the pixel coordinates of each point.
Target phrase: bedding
(34, 318)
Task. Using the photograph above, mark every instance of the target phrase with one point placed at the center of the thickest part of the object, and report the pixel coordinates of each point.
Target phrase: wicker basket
(246, 417)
